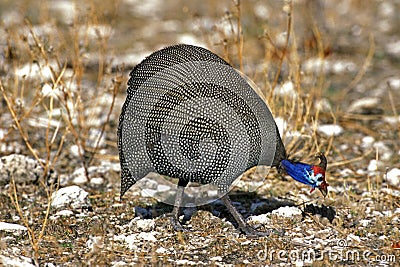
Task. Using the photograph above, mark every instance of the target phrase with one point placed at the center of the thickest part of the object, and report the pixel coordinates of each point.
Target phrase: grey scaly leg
(243, 226)
(175, 212)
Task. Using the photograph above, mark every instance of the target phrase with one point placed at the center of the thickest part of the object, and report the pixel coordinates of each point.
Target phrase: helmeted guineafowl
(191, 116)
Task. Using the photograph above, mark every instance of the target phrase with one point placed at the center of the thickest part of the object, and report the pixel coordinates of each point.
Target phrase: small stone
(20, 261)
(374, 165)
(161, 250)
(393, 177)
(24, 170)
(366, 105)
(79, 177)
(147, 236)
(367, 142)
(216, 258)
(330, 129)
(144, 225)
(365, 223)
(11, 227)
(259, 219)
(65, 213)
(286, 89)
(96, 181)
(287, 211)
(94, 242)
(352, 237)
(71, 196)
(131, 240)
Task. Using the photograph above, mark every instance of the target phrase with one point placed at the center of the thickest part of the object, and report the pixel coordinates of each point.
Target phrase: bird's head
(312, 175)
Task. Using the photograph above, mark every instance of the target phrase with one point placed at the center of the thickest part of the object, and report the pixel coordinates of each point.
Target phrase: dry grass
(73, 105)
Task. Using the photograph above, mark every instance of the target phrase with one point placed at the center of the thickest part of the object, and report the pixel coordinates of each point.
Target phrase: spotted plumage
(189, 115)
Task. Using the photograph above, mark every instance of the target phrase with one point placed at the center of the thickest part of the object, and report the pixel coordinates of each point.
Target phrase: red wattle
(318, 169)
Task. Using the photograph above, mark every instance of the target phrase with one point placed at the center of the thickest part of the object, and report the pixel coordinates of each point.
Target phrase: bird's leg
(243, 226)
(175, 212)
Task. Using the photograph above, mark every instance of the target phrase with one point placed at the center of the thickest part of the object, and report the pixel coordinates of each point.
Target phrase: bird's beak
(324, 189)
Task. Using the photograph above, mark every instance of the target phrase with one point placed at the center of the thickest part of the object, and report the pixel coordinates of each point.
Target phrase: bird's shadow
(248, 204)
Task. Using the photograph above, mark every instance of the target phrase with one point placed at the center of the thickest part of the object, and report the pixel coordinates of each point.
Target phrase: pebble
(287, 211)
(330, 129)
(393, 177)
(21, 261)
(216, 258)
(147, 236)
(374, 165)
(366, 105)
(71, 196)
(145, 225)
(286, 89)
(94, 242)
(24, 169)
(62, 213)
(161, 250)
(32, 71)
(130, 240)
(352, 237)
(96, 181)
(259, 219)
(11, 227)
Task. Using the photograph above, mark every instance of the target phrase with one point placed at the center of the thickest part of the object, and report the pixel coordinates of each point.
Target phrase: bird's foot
(176, 224)
(251, 232)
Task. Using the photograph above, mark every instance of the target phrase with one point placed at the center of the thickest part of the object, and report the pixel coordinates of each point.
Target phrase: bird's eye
(320, 179)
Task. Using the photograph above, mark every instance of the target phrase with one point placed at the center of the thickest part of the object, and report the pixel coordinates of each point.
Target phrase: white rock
(48, 91)
(163, 188)
(385, 153)
(79, 176)
(394, 83)
(161, 250)
(34, 71)
(96, 181)
(365, 223)
(374, 165)
(367, 141)
(346, 172)
(392, 120)
(65, 213)
(185, 262)
(330, 129)
(145, 225)
(118, 264)
(287, 211)
(21, 261)
(323, 104)
(286, 89)
(147, 236)
(393, 47)
(393, 177)
(259, 219)
(71, 196)
(216, 258)
(366, 103)
(131, 240)
(94, 242)
(11, 227)
(24, 169)
(352, 237)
